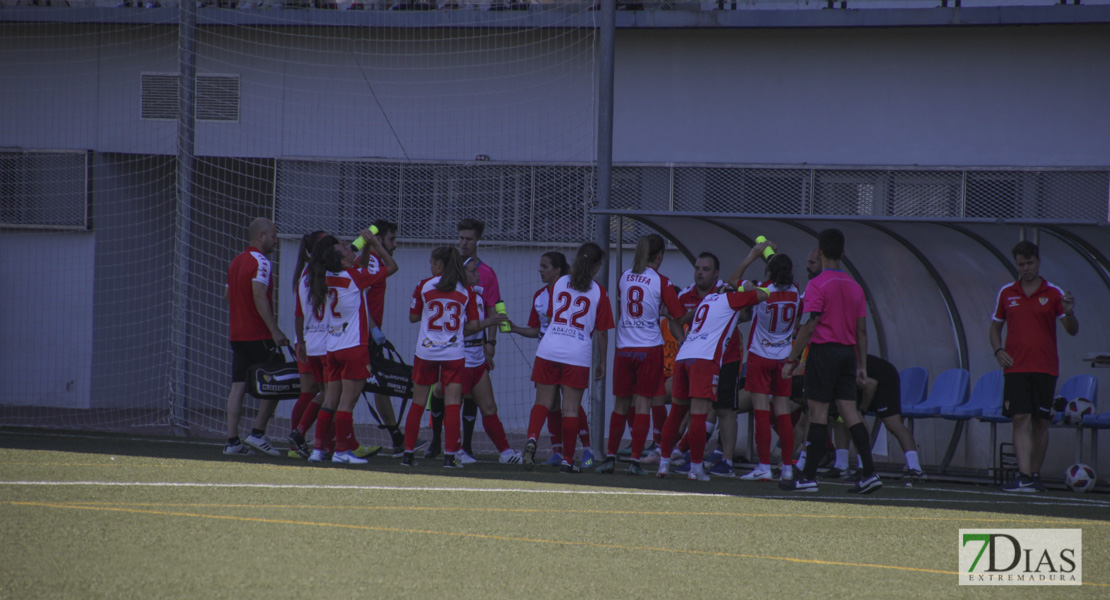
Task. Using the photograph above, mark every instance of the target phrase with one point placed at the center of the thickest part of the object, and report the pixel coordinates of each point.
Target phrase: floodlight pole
(604, 185)
(186, 147)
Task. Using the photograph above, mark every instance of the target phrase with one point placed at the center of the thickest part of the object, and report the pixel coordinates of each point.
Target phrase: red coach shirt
(1030, 326)
(250, 266)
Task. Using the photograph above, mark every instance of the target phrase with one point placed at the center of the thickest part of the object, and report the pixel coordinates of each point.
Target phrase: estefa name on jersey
(637, 278)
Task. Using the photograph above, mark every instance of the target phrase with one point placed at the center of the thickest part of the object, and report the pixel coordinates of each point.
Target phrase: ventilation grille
(217, 97)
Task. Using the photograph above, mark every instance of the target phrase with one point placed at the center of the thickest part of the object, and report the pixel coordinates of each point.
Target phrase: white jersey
(641, 295)
(474, 344)
(316, 322)
(442, 318)
(541, 310)
(574, 317)
(348, 317)
(774, 321)
(714, 325)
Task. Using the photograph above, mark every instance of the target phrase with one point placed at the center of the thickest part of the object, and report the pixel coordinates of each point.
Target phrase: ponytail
(326, 256)
(647, 248)
(308, 242)
(453, 271)
(582, 271)
(780, 270)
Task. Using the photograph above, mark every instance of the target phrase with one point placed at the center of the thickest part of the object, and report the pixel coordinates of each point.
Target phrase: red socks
(452, 422)
(555, 428)
(298, 409)
(536, 419)
(570, 433)
(345, 432)
(671, 429)
(658, 419)
(412, 426)
(786, 438)
(496, 432)
(324, 429)
(639, 434)
(308, 417)
(696, 433)
(763, 436)
(617, 423)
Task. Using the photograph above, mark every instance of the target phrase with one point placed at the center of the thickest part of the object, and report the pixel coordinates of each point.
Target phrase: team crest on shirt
(1043, 300)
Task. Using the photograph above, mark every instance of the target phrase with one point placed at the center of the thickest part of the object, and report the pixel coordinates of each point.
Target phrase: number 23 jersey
(442, 317)
(574, 317)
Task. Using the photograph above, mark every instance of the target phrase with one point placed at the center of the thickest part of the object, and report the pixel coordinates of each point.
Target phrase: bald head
(263, 234)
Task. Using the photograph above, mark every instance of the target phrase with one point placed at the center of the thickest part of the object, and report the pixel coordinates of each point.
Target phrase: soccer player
(476, 383)
(470, 234)
(768, 344)
(311, 335)
(375, 299)
(580, 307)
(447, 311)
(339, 288)
(254, 333)
(638, 363)
(881, 392)
(553, 265)
(835, 330)
(696, 371)
(1029, 308)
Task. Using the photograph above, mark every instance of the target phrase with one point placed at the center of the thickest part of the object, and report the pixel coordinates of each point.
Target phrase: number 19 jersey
(773, 322)
(574, 317)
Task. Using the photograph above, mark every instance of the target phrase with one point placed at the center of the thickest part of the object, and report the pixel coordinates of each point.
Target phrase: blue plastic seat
(987, 396)
(915, 386)
(1077, 386)
(951, 388)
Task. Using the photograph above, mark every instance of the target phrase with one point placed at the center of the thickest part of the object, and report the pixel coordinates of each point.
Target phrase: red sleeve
(472, 306)
(604, 321)
(298, 312)
(999, 307)
(670, 299)
(417, 307)
(363, 278)
(738, 300)
(533, 317)
(1059, 300)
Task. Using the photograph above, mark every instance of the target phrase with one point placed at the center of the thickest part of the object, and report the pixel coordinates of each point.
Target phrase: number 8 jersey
(574, 317)
(442, 317)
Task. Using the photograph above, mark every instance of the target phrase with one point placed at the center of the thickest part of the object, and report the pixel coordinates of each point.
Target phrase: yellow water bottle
(358, 244)
(768, 252)
(500, 307)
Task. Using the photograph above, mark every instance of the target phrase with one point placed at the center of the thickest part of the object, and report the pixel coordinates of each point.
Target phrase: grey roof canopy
(931, 285)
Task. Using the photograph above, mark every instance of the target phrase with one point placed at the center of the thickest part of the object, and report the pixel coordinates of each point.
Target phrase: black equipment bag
(277, 378)
(389, 373)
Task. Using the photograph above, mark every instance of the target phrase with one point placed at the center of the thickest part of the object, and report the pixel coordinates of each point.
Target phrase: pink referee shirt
(840, 301)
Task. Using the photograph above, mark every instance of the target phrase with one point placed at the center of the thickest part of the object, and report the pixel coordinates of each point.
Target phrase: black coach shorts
(830, 373)
(728, 384)
(245, 354)
(1028, 393)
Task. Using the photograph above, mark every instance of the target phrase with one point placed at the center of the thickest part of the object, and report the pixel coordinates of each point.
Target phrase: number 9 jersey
(442, 317)
(574, 317)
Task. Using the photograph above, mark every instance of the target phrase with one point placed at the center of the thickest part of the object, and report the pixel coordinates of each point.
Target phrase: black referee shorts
(830, 373)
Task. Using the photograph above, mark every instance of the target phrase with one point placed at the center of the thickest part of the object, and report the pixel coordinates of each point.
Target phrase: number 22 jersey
(574, 317)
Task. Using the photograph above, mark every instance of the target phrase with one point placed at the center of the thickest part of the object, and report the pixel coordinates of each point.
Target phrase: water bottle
(500, 308)
(768, 252)
(358, 244)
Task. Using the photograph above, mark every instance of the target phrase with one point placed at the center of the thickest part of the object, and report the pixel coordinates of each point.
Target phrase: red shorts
(428, 372)
(348, 363)
(553, 373)
(471, 377)
(694, 378)
(638, 371)
(314, 366)
(765, 376)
